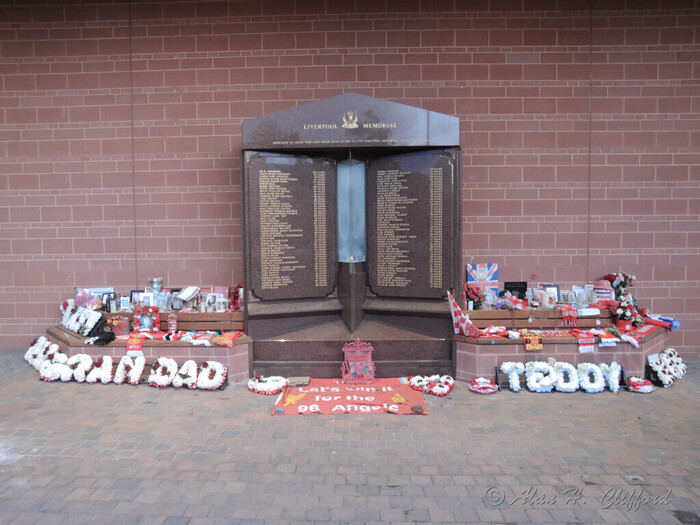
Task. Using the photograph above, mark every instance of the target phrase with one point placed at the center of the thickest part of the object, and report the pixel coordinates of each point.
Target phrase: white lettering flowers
(54, 365)
(541, 376)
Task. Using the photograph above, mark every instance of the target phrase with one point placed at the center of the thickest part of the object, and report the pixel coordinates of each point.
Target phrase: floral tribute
(639, 385)
(268, 386)
(54, 365)
(627, 310)
(101, 371)
(545, 376)
(483, 385)
(212, 376)
(513, 370)
(620, 281)
(79, 319)
(627, 306)
(162, 372)
(147, 318)
(129, 370)
(668, 367)
(437, 385)
(186, 376)
(474, 293)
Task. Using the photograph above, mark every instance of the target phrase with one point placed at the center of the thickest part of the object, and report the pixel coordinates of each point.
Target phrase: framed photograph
(211, 302)
(516, 288)
(135, 296)
(146, 299)
(590, 294)
(124, 303)
(553, 291)
(101, 291)
(578, 295)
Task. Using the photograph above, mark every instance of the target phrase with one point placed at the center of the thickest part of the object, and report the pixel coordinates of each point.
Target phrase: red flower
(474, 293)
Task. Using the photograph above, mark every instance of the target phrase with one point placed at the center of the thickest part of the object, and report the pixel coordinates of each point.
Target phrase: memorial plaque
(304, 299)
(291, 225)
(353, 121)
(411, 230)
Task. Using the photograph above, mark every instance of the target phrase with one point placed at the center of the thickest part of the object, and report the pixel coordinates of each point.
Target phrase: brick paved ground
(76, 453)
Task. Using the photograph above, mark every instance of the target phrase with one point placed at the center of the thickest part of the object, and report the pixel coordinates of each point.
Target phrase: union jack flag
(485, 276)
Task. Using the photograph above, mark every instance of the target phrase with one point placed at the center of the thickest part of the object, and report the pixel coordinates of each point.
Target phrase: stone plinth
(236, 358)
(475, 358)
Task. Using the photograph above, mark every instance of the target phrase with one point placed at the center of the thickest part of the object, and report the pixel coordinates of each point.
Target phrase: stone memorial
(352, 216)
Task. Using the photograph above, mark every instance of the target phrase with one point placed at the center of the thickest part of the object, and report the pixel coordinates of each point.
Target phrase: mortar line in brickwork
(590, 141)
(133, 145)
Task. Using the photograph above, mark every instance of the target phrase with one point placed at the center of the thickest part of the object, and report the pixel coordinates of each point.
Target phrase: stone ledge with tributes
(201, 336)
(600, 333)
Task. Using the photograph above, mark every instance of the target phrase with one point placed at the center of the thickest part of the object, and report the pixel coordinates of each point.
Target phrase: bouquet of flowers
(620, 281)
(474, 293)
(627, 309)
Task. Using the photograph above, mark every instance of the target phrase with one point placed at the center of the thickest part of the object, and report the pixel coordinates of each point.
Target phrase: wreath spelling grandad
(268, 386)
(437, 385)
(147, 319)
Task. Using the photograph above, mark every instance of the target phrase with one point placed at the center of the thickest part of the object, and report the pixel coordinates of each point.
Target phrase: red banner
(331, 396)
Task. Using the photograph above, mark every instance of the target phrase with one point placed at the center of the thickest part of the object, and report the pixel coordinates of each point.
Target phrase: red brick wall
(580, 132)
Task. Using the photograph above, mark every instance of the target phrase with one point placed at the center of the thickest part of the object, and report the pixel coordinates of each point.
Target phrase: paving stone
(77, 454)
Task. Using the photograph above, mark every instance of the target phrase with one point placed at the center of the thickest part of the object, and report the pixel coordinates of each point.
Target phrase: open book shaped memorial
(352, 230)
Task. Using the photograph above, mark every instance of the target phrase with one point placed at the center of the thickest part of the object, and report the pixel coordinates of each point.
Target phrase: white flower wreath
(130, 369)
(267, 385)
(212, 375)
(186, 376)
(437, 385)
(568, 370)
(52, 371)
(162, 372)
(91, 319)
(37, 352)
(73, 323)
(34, 349)
(53, 366)
(585, 370)
(101, 371)
(48, 352)
(675, 363)
(67, 309)
(537, 381)
(78, 367)
(513, 369)
(612, 373)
